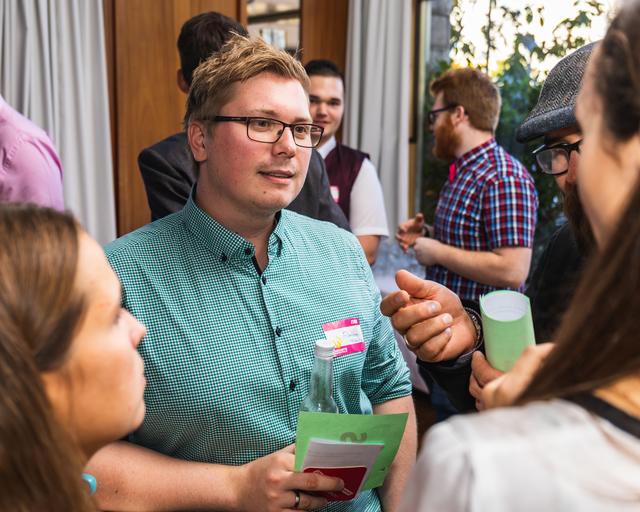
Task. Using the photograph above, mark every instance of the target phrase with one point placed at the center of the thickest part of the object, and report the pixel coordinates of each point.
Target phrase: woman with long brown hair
(71, 379)
(572, 441)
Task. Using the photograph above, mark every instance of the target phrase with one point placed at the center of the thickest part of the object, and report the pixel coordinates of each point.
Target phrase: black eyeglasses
(269, 131)
(432, 115)
(554, 160)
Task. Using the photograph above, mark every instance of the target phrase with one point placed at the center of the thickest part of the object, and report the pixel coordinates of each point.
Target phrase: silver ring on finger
(297, 502)
(407, 344)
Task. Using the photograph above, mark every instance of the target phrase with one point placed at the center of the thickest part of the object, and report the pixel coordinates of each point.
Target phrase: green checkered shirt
(229, 351)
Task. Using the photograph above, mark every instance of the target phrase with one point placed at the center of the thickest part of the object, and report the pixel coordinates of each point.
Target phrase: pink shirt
(30, 170)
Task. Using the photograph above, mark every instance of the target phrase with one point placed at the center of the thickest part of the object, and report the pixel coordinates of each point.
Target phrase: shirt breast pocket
(347, 380)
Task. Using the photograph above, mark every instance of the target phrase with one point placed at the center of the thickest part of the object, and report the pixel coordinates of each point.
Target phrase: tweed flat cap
(556, 105)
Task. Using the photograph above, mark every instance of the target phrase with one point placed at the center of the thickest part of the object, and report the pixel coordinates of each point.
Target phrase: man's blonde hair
(240, 59)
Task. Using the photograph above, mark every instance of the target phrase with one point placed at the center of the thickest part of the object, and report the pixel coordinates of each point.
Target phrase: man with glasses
(234, 291)
(446, 337)
(485, 218)
(167, 167)
(354, 181)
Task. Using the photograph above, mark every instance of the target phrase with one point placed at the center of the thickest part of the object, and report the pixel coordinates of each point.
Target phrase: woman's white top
(544, 456)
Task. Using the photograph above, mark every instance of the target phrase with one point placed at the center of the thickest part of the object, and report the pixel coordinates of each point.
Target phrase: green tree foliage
(519, 85)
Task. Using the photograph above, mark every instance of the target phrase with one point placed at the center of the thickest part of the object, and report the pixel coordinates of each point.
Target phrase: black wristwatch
(477, 323)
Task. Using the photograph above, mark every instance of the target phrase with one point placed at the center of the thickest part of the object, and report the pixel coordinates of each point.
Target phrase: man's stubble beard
(577, 218)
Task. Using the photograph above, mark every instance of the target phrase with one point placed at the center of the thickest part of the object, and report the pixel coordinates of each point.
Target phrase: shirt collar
(326, 148)
(474, 154)
(222, 242)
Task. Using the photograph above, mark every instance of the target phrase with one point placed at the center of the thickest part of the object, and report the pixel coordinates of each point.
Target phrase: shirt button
(278, 331)
(264, 280)
(223, 258)
(292, 386)
(247, 251)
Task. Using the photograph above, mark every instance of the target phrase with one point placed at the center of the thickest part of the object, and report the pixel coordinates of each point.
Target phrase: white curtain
(377, 95)
(53, 70)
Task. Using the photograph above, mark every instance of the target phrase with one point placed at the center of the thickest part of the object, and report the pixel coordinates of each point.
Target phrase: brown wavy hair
(473, 90)
(40, 310)
(599, 341)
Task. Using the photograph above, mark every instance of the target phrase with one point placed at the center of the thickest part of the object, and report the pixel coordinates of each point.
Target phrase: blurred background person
(354, 180)
(485, 218)
(486, 213)
(31, 170)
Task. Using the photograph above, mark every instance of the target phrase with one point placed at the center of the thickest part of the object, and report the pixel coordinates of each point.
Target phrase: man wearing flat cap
(445, 335)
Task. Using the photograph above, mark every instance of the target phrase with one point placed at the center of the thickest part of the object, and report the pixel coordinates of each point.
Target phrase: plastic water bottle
(319, 398)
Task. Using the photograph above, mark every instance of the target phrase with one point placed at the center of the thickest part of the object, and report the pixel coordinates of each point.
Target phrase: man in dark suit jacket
(168, 169)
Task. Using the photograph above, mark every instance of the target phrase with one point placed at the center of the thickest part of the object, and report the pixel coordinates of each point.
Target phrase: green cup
(507, 327)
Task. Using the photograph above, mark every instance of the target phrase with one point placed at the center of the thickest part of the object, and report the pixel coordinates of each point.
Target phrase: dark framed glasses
(554, 160)
(269, 131)
(432, 115)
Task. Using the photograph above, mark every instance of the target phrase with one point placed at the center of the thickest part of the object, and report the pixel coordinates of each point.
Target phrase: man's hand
(482, 373)
(431, 318)
(270, 484)
(507, 388)
(427, 251)
(409, 231)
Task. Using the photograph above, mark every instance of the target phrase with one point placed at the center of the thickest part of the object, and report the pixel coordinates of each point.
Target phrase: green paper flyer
(387, 429)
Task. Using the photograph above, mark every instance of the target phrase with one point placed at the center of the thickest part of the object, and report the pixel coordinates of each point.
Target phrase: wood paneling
(147, 104)
(108, 8)
(324, 30)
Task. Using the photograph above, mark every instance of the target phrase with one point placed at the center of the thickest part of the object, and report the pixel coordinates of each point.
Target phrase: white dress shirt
(367, 215)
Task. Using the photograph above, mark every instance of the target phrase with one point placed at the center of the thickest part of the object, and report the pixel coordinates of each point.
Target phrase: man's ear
(182, 83)
(458, 115)
(196, 133)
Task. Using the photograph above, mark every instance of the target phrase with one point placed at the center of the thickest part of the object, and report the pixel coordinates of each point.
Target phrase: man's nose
(285, 144)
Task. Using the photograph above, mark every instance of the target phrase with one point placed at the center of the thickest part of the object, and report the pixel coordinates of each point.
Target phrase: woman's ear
(57, 389)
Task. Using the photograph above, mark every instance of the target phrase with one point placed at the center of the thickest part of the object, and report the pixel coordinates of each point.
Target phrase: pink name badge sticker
(346, 336)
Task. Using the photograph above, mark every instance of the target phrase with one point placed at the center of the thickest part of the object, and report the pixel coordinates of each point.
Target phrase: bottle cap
(324, 348)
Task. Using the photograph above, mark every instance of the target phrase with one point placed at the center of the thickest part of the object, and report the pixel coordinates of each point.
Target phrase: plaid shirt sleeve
(509, 207)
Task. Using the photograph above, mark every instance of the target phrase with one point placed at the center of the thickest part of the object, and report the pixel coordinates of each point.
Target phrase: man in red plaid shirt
(486, 213)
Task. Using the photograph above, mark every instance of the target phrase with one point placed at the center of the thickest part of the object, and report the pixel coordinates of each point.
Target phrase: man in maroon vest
(353, 178)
